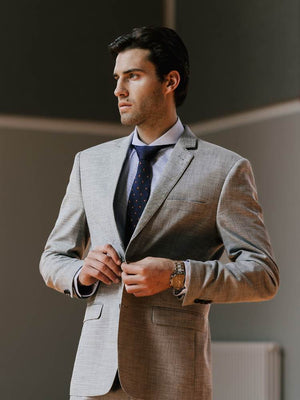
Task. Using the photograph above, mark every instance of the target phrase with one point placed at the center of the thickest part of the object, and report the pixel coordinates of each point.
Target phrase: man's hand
(101, 264)
(148, 276)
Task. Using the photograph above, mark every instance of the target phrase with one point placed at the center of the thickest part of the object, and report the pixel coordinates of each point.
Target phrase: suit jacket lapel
(119, 152)
(179, 160)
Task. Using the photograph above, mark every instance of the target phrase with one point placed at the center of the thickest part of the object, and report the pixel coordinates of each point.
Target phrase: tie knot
(148, 152)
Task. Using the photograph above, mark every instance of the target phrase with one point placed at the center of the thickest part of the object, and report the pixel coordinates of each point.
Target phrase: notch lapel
(179, 161)
(109, 180)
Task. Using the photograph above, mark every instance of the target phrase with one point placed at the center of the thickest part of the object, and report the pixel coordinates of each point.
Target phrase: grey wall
(273, 149)
(40, 327)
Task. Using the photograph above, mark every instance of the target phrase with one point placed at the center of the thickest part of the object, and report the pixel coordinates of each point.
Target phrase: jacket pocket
(93, 311)
(186, 201)
(188, 207)
(177, 318)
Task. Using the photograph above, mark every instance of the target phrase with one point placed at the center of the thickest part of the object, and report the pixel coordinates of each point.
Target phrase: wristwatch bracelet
(177, 278)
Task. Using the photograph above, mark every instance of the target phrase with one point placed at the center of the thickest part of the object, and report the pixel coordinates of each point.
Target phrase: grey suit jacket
(205, 201)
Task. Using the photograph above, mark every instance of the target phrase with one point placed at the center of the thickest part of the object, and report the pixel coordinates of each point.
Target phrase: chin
(127, 120)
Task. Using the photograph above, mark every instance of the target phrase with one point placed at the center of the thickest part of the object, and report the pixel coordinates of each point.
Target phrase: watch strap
(177, 278)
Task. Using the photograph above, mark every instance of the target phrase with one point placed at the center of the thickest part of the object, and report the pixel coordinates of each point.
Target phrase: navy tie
(141, 186)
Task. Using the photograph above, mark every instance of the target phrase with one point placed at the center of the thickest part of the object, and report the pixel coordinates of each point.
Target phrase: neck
(149, 132)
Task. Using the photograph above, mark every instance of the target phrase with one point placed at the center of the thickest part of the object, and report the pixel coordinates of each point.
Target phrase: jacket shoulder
(106, 146)
(212, 152)
(218, 152)
(216, 157)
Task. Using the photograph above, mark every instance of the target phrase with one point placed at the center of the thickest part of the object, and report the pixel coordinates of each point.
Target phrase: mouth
(124, 106)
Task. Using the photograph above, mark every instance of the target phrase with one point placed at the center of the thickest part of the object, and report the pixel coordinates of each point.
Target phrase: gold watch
(177, 278)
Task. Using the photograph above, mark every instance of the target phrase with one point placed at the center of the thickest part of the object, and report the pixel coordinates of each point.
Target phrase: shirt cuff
(180, 295)
(84, 291)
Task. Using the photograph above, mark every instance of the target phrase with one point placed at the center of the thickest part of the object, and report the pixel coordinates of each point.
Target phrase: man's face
(139, 91)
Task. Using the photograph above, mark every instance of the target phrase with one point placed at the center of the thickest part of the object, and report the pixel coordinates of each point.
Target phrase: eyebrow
(129, 71)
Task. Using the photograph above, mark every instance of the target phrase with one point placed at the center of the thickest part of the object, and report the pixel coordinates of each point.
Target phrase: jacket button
(67, 292)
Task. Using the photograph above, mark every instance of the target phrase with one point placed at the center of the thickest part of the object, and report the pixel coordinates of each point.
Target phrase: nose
(120, 90)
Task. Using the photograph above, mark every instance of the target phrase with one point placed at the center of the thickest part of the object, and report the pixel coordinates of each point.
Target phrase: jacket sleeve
(251, 274)
(62, 256)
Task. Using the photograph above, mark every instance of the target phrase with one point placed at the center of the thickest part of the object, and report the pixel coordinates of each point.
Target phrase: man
(157, 225)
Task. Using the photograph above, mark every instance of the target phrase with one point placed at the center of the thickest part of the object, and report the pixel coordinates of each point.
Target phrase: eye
(133, 75)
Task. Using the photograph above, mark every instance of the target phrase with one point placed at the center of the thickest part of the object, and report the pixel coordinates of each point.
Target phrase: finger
(137, 291)
(109, 262)
(111, 251)
(132, 279)
(95, 273)
(104, 270)
(131, 269)
(134, 289)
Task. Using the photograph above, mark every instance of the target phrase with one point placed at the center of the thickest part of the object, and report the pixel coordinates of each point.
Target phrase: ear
(172, 80)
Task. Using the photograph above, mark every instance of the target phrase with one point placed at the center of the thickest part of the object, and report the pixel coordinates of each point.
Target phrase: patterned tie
(141, 186)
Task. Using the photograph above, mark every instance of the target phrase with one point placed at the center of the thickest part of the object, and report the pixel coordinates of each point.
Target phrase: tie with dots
(140, 190)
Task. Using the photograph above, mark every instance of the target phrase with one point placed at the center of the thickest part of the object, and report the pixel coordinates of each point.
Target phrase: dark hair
(167, 53)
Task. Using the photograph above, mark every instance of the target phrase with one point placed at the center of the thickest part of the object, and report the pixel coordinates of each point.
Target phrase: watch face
(178, 281)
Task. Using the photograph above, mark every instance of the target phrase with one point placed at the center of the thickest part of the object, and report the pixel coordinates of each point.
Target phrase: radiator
(246, 371)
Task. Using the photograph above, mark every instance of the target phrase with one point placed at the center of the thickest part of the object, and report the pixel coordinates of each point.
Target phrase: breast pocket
(189, 206)
(188, 214)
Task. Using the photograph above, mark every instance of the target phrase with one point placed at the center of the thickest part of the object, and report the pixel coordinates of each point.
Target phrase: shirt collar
(170, 137)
